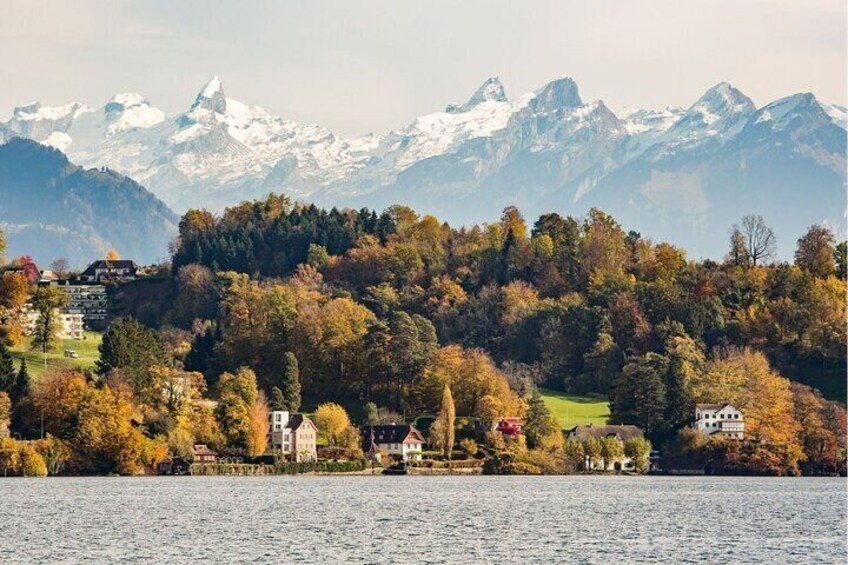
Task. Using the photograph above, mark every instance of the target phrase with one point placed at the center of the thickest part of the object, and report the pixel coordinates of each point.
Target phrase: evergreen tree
(540, 427)
(372, 415)
(407, 354)
(22, 384)
(379, 376)
(840, 258)
(7, 370)
(277, 400)
(639, 394)
(130, 346)
(291, 383)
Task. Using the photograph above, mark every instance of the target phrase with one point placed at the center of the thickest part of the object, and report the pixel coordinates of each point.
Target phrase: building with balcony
(89, 300)
(719, 421)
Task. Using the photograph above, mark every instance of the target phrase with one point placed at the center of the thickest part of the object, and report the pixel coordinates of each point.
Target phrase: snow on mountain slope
(38, 122)
(544, 150)
(839, 114)
(638, 122)
(487, 111)
(719, 114)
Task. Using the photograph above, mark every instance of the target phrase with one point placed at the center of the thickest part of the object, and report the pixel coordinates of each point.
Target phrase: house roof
(714, 407)
(709, 407)
(391, 433)
(626, 432)
(107, 264)
(297, 420)
(202, 449)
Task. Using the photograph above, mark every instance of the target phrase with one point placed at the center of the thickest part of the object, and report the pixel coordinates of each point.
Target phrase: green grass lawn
(85, 348)
(574, 410)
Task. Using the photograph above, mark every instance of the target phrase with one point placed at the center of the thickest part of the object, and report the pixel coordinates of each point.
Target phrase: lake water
(338, 519)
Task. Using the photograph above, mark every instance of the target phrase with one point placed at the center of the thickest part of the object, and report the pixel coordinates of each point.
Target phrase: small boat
(396, 469)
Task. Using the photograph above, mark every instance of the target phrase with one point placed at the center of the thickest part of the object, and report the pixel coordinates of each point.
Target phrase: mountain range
(50, 208)
(680, 174)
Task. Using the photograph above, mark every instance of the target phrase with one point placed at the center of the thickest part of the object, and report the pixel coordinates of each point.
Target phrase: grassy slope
(86, 348)
(576, 410)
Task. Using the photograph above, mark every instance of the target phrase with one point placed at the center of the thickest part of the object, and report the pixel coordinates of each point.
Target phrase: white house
(402, 441)
(719, 420)
(293, 434)
(69, 326)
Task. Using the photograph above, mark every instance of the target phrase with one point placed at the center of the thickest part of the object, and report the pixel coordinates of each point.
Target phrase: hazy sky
(370, 66)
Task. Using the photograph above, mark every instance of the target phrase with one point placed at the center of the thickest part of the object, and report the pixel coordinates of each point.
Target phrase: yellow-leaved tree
(257, 438)
(332, 421)
(743, 377)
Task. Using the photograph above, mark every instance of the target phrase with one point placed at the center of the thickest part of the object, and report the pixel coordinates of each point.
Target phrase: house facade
(620, 433)
(89, 300)
(202, 454)
(70, 324)
(719, 421)
(400, 441)
(105, 270)
(512, 427)
(293, 434)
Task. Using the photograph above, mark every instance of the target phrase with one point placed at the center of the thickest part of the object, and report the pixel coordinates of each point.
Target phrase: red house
(512, 427)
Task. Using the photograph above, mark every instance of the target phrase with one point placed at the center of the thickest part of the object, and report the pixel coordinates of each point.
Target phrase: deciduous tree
(815, 251)
(46, 302)
(760, 242)
(236, 394)
(332, 421)
(257, 439)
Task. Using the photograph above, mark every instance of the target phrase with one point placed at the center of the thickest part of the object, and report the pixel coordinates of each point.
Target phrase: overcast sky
(371, 66)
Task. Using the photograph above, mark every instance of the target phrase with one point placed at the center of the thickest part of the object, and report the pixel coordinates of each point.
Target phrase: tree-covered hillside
(567, 302)
(51, 209)
(398, 317)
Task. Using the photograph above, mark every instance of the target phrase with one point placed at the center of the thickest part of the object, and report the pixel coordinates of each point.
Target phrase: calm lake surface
(423, 519)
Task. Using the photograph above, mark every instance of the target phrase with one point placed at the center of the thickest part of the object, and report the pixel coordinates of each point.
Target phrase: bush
(32, 463)
(545, 461)
(469, 446)
(338, 453)
(521, 468)
(294, 468)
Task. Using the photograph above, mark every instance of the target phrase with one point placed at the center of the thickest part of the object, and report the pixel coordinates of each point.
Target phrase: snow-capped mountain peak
(36, 112)
(545, 150)
(720, 100)
(47, 124)
(211, 97)
(557, 95)
(799, 114)
(719, 114)
(128, 111)
(491, 90)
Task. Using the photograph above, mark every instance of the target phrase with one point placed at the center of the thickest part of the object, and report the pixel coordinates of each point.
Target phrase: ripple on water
(422, 519)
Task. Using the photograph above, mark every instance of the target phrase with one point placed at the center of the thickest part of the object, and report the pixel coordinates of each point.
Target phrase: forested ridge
(387, 314)
(567, 301)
